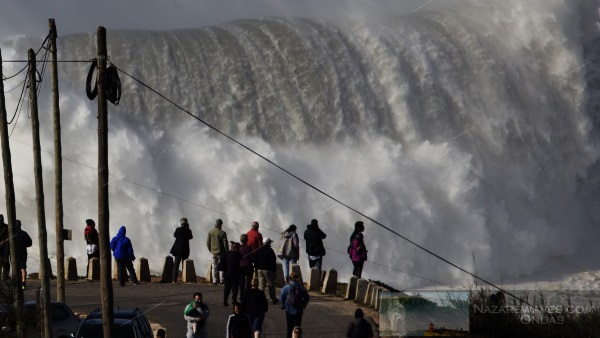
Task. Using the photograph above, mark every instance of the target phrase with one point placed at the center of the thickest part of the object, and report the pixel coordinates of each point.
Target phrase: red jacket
(255, 239)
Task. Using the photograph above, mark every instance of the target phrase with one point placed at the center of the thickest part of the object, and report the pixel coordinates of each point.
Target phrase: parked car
(64, 322)
(127, 323)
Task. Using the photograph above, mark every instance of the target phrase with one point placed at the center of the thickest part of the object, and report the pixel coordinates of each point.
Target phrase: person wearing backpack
(289, 250)
(294, 299)
(357, 249)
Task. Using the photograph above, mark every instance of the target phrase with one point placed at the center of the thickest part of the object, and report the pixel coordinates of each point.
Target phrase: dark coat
(22, 242)
(254, 302)
(359, 328)
(247, 256)
(181, 247)
(91, 236)
(266, 259)
(238, 326)
(233, 259)
(314, 240)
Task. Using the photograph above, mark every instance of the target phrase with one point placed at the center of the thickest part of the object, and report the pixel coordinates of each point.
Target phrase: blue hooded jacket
(121, 246)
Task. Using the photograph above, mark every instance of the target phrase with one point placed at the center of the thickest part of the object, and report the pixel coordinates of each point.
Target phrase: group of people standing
(246, 268)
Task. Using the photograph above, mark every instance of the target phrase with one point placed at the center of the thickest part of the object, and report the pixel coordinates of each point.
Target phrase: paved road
(326, 316)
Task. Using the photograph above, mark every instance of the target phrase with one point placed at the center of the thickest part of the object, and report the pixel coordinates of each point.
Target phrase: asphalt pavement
(163, 303)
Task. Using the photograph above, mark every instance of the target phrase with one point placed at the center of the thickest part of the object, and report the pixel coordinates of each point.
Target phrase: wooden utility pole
(10, 209)
(58, 206)
(39, 194)
(103, 219)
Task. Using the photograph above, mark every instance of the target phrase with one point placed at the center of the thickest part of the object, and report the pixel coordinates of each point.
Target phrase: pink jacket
(358, 253)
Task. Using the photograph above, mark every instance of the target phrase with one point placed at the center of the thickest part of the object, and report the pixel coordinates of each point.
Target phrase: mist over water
(462, 128)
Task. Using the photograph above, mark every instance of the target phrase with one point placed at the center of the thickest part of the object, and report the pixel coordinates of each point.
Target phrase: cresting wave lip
(471, 123)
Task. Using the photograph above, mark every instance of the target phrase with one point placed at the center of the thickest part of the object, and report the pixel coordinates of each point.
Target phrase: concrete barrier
(369, 293)
(115, 274)
(330, 285)
(167, 271)
(71, 270)
(351, 290)
(361, 290)
(373, 295)
(143, 270)
(93, 272)
(381, 292)
(279, 277)
(295, 268)
(314, 280)
(209, 276)
(189, 272)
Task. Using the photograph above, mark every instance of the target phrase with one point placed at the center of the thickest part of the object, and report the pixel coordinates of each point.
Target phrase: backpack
(296, 298)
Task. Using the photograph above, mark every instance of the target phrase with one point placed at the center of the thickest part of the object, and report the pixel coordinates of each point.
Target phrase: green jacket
(217, 242)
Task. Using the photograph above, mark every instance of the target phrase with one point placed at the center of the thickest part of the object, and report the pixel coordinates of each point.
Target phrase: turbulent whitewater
(465, 129)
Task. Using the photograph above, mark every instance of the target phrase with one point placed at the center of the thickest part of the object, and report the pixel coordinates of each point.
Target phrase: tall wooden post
(103, 215)
(58, 206)
(15, 272)
(39, 194)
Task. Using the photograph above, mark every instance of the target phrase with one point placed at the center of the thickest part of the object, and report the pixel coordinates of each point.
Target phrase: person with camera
(196, 314)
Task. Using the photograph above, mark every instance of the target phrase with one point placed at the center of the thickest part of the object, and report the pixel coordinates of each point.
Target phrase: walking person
(218, 246)
(196, 315)
(359, 327)
(266, 266)
(4, 261)
(232, 274)
(314, 244)
(246, 265)
(294, 299)
(92, 242)
(255, 306)
(22, 242)
(181, 247)
(238, 324)
(123, 252)
(289, 250)
(357, 249)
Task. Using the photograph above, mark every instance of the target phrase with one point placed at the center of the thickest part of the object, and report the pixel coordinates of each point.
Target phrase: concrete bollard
(143, 270)
(279, 277)
(189, 272)
(381, 292)
(351, 290)
(295, 268)
(209, 276)
(369, 293)
(93, 272)
(314, 280)
(361, 290)
(374, 292)
(71, 270)
(167, 272)
(330, 285)
(115, 271)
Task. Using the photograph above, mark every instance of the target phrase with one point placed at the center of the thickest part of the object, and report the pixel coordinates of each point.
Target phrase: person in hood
(92, 242)
(359, 327)
(123, 253)
(314, 244)
(181, 247)
(289, 250)
(358, 251)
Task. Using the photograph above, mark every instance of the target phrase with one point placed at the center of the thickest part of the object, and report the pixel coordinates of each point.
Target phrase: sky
(31, 17)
